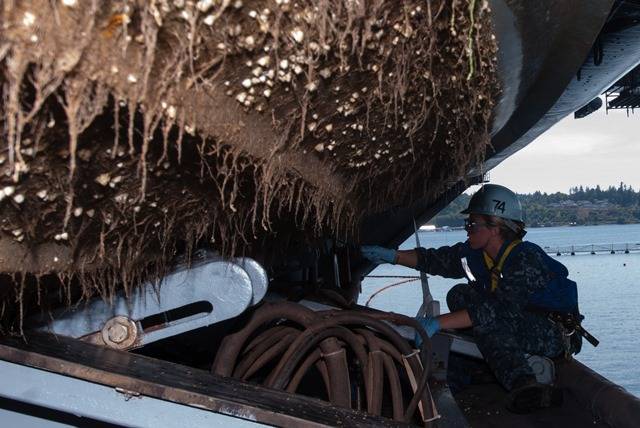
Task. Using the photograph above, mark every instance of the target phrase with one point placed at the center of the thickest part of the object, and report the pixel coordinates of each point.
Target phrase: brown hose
(336, 298)
(305, 341)
(389, 349)
(311, 359)
(232, 344)
(403, 346)
(322, 368)
(397, 319)
(396, 388)
(322, 343)
(357, 318)
(390, 369)
(262, 347)
(281, 374)
(385, 346)
(415, 365)
(230, 347)
(372, 319)
(270, 354)
(375, 374)
(262, 336)
(338, 372)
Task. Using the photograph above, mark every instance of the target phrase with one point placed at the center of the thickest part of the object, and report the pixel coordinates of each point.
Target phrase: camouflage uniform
(504, 330)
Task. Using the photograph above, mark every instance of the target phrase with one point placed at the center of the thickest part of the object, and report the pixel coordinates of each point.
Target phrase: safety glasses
(473, 226)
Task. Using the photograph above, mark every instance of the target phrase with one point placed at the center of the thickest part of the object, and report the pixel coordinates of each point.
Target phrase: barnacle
(226, 123)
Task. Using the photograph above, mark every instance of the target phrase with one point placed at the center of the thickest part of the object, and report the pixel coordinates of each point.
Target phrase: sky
(603, 148)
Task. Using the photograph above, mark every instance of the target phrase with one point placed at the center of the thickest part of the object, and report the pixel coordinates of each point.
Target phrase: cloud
(600, 149)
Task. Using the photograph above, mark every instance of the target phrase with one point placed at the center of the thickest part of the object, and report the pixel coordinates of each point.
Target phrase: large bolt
(118, 332)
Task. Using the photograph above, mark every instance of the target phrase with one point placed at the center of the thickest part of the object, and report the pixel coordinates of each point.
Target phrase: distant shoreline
(581, 206)
(433, 228)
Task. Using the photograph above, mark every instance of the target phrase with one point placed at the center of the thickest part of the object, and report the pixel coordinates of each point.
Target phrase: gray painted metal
(429, 307)
(608, 402)
(463, 345)
(141, 376)
(86, 399)
(13, 419)
(258, 276)
(452, 415)
(542, 45)
(230, 287)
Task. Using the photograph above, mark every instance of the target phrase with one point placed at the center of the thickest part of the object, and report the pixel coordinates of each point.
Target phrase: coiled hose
(286, 340)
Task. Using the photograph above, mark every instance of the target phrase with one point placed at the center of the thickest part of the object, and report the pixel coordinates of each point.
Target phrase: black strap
(570, 321)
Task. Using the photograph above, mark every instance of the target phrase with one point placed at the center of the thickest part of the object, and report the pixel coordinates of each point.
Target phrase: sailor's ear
(495, 230)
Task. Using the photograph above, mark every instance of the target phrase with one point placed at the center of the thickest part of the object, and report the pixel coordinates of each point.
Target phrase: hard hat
(495, 200)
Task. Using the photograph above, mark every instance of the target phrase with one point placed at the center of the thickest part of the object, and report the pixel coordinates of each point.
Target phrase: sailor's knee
(456, 297)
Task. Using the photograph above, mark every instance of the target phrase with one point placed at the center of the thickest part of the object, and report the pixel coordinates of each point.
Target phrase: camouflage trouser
(506, 338)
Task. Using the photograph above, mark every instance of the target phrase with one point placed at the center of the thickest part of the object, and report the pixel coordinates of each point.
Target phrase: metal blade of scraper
(429, 307)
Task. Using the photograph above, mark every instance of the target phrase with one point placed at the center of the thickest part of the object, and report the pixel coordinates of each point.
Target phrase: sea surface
(608, 292)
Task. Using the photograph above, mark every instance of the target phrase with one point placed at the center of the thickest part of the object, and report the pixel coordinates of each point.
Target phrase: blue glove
(378, 254)
(430, 324)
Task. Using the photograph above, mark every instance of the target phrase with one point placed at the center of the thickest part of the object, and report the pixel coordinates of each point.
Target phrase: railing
(620, 248)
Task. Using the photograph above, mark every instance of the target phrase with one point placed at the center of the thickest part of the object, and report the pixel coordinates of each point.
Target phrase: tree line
(581, 206)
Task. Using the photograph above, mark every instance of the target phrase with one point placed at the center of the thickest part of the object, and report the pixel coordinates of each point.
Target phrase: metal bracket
(208, 291)
(429, 307)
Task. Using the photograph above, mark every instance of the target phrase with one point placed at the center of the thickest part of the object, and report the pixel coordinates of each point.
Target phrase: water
(608, 290)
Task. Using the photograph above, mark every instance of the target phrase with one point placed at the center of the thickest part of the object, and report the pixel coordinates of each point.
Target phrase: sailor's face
(478, 231)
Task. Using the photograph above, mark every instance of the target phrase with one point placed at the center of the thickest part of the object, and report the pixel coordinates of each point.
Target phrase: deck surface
(482, 403)
(484, 407)
(177, 383)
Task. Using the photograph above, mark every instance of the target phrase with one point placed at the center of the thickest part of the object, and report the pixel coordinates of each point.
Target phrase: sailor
(512, 286)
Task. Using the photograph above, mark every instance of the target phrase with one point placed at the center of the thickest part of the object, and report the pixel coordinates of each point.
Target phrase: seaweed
(136, 129)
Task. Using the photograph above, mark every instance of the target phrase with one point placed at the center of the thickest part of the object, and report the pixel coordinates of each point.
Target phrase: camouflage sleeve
(443, 261)
(524, 275)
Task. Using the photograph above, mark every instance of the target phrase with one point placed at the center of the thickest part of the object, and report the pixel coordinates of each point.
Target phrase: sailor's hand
(378, 254)
(431, 326)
